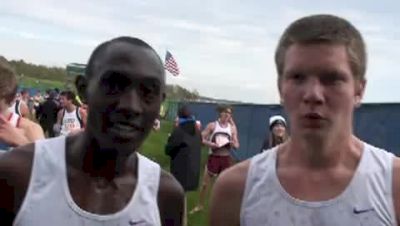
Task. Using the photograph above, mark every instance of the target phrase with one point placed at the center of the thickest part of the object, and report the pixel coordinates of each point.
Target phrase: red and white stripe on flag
(170, 64)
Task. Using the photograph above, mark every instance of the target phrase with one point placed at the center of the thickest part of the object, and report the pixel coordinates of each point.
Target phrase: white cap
(276, 118)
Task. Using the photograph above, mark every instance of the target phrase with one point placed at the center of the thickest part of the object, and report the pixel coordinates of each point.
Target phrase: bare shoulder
(233, 180)
(82, 111)
(27, 123)
(208, 130)
(211, 126)
(15, 172)
(396, 186)
(33, 130)
(170, 200)
(227, 195)
(169, 185)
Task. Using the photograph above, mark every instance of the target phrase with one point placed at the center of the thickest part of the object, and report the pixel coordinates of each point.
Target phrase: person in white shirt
(323, 174)
(98, 177)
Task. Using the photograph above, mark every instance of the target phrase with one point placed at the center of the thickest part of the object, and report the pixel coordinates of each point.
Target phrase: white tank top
(48, 201)
(70, 122)
(15, 107)
(367, 200)
(221, 134)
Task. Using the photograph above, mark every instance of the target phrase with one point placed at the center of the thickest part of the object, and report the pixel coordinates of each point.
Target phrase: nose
(313, 92)
(131, 101)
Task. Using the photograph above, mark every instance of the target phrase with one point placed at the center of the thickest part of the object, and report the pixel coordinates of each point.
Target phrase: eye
(332, 79)
(296, 77)
(149, 90)
(114, 83)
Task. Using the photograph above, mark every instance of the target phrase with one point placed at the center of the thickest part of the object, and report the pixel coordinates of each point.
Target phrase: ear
(81, 86)
(359, 92)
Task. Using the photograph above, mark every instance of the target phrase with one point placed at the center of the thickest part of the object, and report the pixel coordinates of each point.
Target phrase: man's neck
(98, 162)
(321, 153)
(223, 123)
(70, 108)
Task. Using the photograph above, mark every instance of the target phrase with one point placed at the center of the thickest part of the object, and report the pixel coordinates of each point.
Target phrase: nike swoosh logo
(131, 222)
(358, 211)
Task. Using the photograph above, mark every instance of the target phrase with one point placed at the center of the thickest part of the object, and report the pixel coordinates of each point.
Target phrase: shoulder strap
(149, 174)
(78, 116)
(17, 107)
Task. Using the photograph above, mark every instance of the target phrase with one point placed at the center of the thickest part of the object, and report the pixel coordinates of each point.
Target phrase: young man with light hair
(14, 129)
(324, 174)
(221, 137)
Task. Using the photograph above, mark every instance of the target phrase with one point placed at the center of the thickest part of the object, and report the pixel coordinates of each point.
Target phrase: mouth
(313, 116)
(313, 120)
(125, 130)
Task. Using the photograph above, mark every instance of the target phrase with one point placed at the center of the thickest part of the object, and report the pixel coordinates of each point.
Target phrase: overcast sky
(224, 48)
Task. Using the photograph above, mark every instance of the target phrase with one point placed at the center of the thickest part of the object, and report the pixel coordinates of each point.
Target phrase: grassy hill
(42, 84)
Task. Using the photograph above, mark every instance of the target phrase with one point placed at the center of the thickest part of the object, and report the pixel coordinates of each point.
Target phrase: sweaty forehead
(131, 59)
(320, 56)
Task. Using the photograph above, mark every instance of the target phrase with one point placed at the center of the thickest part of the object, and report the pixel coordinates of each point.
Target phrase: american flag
(171, 65)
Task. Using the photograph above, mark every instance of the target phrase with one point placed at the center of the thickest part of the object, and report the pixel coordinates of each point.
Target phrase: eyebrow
(143, 77)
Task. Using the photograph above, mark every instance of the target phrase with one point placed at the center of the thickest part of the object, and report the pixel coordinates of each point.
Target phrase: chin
(314, 134)
(119, 147)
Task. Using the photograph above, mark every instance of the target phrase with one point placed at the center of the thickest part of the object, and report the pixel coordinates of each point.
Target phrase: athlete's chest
(314, 185)
(96, 195)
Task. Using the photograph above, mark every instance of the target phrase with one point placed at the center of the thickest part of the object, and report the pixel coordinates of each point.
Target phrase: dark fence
(377, 124)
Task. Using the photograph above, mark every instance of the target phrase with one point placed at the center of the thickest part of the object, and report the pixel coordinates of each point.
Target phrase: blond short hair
(324, 29)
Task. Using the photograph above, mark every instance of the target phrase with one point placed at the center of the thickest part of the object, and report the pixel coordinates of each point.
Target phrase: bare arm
(57, 125)
(170, 200)
(396, 188)
(59, 117)
(205, 135)
(15, 168)
(226, 198)
(83, 114)
(235, 139)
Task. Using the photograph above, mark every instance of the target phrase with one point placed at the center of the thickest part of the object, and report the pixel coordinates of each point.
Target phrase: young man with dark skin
(324, 174)
(97, 177)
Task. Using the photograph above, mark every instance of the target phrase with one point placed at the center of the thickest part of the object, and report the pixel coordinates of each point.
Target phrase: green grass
(154, 149)
(26, 81)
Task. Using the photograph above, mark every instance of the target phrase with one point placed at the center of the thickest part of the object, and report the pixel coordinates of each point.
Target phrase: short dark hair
(324, 29)
(104, 46)
(68, 94)
(184, 112)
